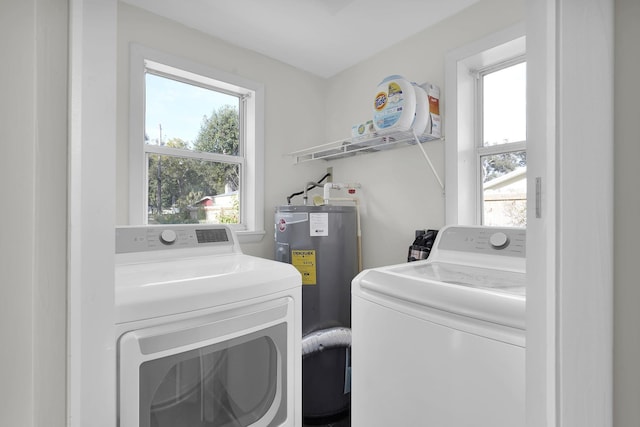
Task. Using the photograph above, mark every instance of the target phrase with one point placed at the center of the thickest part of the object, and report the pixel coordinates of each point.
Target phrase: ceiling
(323, 37)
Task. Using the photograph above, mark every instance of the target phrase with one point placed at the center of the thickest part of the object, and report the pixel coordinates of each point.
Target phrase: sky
(505, 106)
(179, 108)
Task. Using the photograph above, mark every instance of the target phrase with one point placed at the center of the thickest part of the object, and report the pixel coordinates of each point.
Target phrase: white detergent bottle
(394, 106)
(422, 110)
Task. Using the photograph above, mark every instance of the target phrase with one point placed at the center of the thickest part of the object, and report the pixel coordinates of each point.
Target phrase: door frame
(570, 221)
(91, 369)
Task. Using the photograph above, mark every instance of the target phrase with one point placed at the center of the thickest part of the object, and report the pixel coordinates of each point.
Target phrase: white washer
(206, 336)
(441, 342)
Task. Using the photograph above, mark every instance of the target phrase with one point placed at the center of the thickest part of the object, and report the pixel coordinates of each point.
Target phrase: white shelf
(353, 146)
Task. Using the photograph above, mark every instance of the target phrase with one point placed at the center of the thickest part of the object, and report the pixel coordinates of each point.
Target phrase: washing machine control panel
(484, 240)
(167, 237)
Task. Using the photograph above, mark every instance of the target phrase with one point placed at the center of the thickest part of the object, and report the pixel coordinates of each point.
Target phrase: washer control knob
(499, 240)
(168, 237)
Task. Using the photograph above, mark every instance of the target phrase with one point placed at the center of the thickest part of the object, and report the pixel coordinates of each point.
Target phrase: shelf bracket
(426, 156)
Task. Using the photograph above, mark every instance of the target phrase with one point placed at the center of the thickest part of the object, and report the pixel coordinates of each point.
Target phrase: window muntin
(501, 147)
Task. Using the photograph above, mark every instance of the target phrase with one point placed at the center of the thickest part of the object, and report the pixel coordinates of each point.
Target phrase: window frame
(463, 197)
(496, 149)
(251, 120)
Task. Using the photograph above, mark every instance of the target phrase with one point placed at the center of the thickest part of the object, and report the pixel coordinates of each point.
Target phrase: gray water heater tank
(321, 242)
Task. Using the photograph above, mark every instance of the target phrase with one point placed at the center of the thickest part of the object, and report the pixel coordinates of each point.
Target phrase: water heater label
(319, 224)
(305, 262)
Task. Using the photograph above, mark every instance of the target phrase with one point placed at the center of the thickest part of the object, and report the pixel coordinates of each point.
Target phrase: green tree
(220, 134)
(171, 180)
(231, 216)
(177, 184)
(500, 164)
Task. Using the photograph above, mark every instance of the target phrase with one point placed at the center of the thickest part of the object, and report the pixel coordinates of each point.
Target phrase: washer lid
(476, 277)
(495, 296)
(147, 290)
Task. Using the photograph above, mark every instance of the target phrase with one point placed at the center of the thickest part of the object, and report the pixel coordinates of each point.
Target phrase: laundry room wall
(399, 193)
(294, 106)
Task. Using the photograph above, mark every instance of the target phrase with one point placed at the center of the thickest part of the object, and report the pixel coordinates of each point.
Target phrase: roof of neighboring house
(228, 193)
(212, 199)
(203, 200)
(507, 179)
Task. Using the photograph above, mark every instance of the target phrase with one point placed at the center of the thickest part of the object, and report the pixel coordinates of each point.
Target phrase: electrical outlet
(330, 177)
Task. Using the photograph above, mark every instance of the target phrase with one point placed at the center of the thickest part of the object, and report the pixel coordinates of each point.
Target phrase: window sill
(253, 236)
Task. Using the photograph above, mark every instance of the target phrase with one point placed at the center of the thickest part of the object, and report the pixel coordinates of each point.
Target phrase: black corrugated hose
(311, 187)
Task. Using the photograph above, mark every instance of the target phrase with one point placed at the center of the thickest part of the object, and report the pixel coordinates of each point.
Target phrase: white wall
(400, 194)
(18, 116)
(33, 119)
(626, 215)
(294, 102)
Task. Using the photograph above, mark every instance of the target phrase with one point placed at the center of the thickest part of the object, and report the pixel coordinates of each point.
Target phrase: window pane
(505, 189)
(186, 190)
(504, 100)
(190, 117)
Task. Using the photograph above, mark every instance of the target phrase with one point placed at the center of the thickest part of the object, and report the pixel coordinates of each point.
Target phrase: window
(502, 155)
(486, 131)
(194, 169)
(196, 145)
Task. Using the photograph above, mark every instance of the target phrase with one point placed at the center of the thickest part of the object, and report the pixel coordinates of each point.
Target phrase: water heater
(321, 242)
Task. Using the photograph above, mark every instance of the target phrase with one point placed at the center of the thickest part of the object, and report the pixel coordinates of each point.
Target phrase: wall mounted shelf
(353, 146)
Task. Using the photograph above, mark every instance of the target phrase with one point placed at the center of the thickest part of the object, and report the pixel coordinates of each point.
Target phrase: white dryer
(206, 335)
(441, 342)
